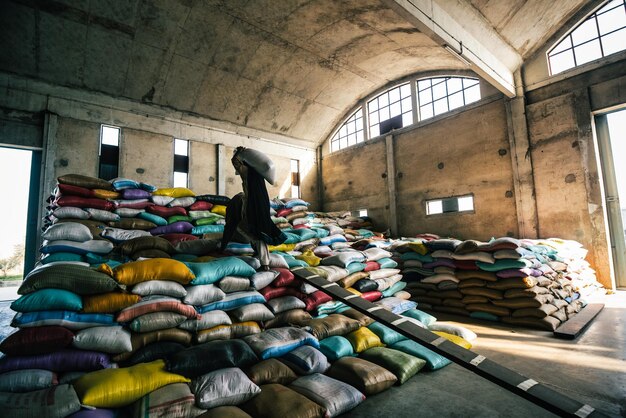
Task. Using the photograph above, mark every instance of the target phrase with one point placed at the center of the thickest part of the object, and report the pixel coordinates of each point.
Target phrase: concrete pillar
(391, 186)
(523, 180)
(220, 166)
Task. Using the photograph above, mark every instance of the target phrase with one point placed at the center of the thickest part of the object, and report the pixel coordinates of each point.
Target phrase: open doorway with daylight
(611, 134)
(15, 217)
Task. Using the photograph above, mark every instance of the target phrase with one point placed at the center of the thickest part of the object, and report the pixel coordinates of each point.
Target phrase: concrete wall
(473, 149)
(148, 152)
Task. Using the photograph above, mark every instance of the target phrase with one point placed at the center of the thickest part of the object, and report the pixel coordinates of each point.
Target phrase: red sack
(317, 298)
(37, 340)
(371, 266)
(201, 205)
(164, 212)
(372, 296)
(176, 238)
(69, 190)
(85, 202)
(285, 278)
(270, 292)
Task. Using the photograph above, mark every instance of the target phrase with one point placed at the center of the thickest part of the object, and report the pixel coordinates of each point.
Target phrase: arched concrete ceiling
(286, 66)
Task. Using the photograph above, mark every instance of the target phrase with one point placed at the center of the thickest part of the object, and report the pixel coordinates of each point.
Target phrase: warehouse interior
(309, 82)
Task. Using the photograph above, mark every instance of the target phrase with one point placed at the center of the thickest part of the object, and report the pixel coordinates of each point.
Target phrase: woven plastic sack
(252, 312)
(65, 360)
(151, 352)
(27, 380)
(179, 227)
(173, 400)
(271, 371)
(462, 332)
(145, 243)
(160, 287)
(262, 279)
(34, 341)
(336, 396)
(156, 321)
(260, 162)
(151, 217)
(203, 294)
(174, 192)
(111, 302)
(336, 347)
(85, 181)
(279, 341)
(363, 339)
(146, 338)
(230, 284)
(102, 215)
(55, 402)
(233, 301)
(120, 235)
(402, 365)
(334, 324)
(204, 358)
(367, 377)
(421, 316)
(285, 303)
(433, 360)
(70, 231)
(115, 388)
(292, 317)
(211, 272)
(114, 339)
(455, 339)
(276, 401)
(386, 334)
(224, 387)
(70, 212)
(154, 269)
(92, 246)
(306, 360)
(68, 319)
(48, 299)
(156, 304)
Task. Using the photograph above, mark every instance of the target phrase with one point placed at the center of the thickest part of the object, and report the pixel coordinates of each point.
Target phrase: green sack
(386, 334)
(421, 316)
(402, 365)
(433, 360)
(155, 219)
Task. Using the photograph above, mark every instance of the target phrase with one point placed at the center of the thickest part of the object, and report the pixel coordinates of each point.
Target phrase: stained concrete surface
(590, 369)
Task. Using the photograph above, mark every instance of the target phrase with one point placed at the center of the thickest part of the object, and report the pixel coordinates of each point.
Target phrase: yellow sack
(455, 339)
(115, 388)
(105, 194)
(174, 192)
(285, 248)
(219, 209)
(108, 302)
(310, 258)
(363, 339)
(353, 290)
(153, 269)
(418, 247)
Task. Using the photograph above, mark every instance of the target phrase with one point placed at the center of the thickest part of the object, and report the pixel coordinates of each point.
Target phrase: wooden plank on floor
(572, 328)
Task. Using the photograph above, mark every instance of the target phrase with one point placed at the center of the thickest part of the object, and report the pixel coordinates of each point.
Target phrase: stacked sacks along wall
(536, 283)
(122, 313)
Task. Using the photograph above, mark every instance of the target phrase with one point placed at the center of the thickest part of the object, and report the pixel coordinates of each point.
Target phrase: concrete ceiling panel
(143, 72)
(293, 72)
(315, 118)
(338, 35)
(184, 77)
(344, 91)
(267, 59)
(113, 49)
(123, 12)
(276, 111)
(200, 37)
(159, 22)
(62, 46)
(238, 47)
(17, 25)
(498, 13)
(318, 15)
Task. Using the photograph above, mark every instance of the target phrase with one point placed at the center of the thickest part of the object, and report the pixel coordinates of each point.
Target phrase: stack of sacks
(522, 282)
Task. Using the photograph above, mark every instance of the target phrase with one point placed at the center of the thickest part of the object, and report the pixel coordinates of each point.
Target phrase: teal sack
(484, 315)
(395, 288)
(504, 264)
(61, 256)
(387, 263)
(155, 219)
(48, 300)
(355, 267)
(433, 360)
(207, 229)
(213, 271)
(321, 232)
(336, 347)
(386, 334)
(421, 316)
(412, 255)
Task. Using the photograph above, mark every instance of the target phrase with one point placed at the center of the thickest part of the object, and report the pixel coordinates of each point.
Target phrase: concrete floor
(590, 369)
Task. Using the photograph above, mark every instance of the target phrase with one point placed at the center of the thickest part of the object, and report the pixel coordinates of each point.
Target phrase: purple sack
(440, 262)
(175, 228)
(66, 360)
(131, 194)
(508, 273)
(94, 413)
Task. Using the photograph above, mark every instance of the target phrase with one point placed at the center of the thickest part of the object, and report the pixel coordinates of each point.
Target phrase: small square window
(110, 136)
(181, 147)
(180, 179)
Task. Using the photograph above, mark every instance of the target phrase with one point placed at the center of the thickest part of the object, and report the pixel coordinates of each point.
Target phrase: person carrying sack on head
(248, 217)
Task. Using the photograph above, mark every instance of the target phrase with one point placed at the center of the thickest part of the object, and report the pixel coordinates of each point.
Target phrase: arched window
(601, 34)
(403, 105)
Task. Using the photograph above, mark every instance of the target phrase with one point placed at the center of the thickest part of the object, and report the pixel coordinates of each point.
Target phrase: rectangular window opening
(109, 152)
(450, 205)
(181, 162)
(295, 178)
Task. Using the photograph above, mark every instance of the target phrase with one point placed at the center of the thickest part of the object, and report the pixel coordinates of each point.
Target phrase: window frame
(598, 37)
(181, 160)
(108, 150)
(450, 212)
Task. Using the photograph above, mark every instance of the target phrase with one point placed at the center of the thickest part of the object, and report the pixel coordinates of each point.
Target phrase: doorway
(611, 133)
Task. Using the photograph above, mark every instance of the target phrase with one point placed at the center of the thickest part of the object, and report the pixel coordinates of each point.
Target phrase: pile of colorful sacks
(535, 283)
(133, 308)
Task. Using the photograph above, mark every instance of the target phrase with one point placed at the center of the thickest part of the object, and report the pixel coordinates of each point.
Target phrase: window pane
(609, 6)
(372, 106)
(359, 136)
(351, 128)
(383, 100)
(456, 100)
(562, 62)
(441, 106)
(405, 91)
(384, 114)
(374, 118)
(395, 110)
(343, 142)
(454, 85)
(343, 131)
(295, 191)
(434, 207)
(426, 112)
(439, 90)
(334, 146)
(406, 104)
(374, 131)
(181, 147)
(612, 20)
(394, 95)
(407, 119)
(585, 32)
(180, 179)
(351, 139)
(423, 84)
(614, 42)
(426, 96)
(466, 203)
(111, 136)
(588, 52)
(294, 166)
(472, 95)
(565, 44)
